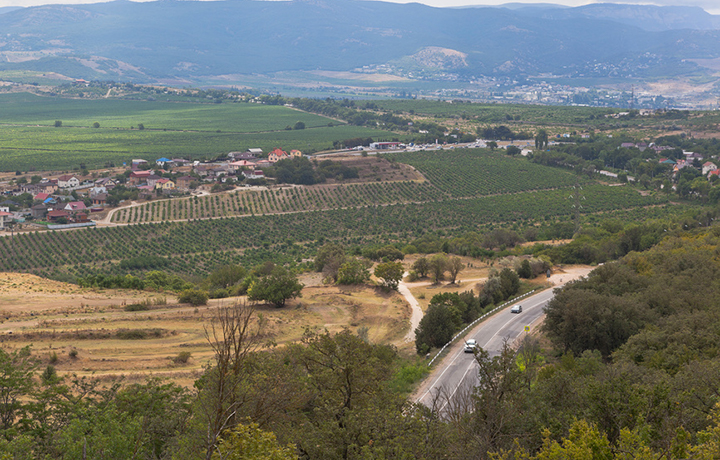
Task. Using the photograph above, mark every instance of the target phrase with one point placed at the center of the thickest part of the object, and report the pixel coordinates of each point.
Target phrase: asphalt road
(459, 369)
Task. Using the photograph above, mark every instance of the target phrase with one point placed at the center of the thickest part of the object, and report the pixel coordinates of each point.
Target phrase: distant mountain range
(125, 40)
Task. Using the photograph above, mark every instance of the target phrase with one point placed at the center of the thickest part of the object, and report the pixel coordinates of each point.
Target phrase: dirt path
(417, 312)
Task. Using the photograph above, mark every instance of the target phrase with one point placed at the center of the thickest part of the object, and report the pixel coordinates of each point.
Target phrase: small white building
(68, 181)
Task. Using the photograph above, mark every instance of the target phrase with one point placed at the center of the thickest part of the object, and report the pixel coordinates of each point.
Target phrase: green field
(26, 108)
(196, 247)
(478, 172)
(498, 113)
(30, 142)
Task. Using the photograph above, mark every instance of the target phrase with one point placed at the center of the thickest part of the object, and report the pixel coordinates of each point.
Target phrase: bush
(182, 358)
(73, 354)
(219, 294)
(53, 358)
(193, 297)
(139, 334)
(137, 307)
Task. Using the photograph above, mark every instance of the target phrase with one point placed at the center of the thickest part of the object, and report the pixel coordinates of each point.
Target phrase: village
(81, 199)
(73, 200)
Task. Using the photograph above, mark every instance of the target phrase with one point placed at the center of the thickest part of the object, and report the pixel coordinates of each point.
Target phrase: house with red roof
(277, 155)
(75, 206)
(57, 214)
(4, 218)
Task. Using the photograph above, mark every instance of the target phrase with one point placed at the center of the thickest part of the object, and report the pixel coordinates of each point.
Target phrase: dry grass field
(89, 332)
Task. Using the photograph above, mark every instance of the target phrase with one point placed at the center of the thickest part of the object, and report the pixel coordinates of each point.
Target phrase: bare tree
(234, 334)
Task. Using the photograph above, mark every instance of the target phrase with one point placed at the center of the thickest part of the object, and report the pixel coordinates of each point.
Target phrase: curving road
(457, 374)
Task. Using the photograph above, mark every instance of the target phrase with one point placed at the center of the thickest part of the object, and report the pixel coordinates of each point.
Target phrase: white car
(470, 346)
(516, 309)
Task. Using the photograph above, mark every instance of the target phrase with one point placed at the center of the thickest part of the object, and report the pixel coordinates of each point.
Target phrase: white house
(707, 167)
(68, 181)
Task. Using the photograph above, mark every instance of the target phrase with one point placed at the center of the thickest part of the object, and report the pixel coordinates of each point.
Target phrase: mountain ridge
(181, 39)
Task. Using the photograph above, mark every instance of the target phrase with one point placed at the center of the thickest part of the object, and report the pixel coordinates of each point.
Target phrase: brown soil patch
(375, 169)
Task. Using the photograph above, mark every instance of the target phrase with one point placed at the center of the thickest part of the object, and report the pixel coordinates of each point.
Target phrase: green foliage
(525, 270)
(437, 265)
(16, 370)
(390, 273)
(354, 271)
(249, 442)
(226, 277)
(421, 266)
(329, 258)
(194, 297)
(440, 322)
(276, 287)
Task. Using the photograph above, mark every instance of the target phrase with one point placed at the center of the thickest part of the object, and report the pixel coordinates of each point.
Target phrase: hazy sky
(712, 6)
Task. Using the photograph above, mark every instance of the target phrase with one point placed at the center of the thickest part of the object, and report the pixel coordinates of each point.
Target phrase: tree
(492, 145)
(277, 287)
(58, 123)
(437, 327)
(541, 139)
(390, 253)
(454, 267)
(141, 126)
(354, 271)
(234, 335)
(35, 179)
(96, 125)
(226, 276)
(249, 442)
(299, 125)
(513, 150)
(421, 267)
(525, 270)
(390, 273)
(16, 382)
(330, 257)
(437, 265)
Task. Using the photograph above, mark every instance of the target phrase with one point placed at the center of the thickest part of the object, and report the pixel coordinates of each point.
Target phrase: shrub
(137, 307)
(193, 297)
(73, 354)
(182, 358)
(53, 358)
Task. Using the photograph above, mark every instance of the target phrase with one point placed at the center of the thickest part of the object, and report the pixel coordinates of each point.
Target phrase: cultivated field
(31, 142)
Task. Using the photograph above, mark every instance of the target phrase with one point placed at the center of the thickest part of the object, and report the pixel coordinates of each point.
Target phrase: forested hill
(146, 40)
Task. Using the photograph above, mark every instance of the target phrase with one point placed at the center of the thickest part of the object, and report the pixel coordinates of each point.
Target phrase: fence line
(478, 320)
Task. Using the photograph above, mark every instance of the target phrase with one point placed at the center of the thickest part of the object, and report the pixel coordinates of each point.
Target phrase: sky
(712, 6)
